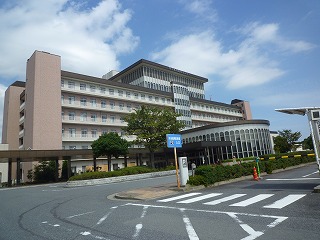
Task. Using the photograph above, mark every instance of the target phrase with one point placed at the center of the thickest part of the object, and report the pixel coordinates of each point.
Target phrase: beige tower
(43, 102)
(11, 117)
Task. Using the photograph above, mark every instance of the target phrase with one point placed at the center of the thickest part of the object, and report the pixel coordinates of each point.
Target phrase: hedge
(117, 173)
(210, 174)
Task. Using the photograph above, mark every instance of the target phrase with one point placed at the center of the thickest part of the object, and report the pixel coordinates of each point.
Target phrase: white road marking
(285, 201)
(139, 225)
(105, 216)
(291, 179)
(189, 228)
(178, 197)
(137, 232)
(81, 214)
(196, 199)
(252, 233)
(234, 215)
(234, 196)
(252, 200)
(310, 174)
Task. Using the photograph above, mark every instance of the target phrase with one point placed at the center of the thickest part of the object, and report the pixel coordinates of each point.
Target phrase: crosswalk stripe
(178, 197)
(215, 202)
(196, 199)
(285, 201)
(252, 200)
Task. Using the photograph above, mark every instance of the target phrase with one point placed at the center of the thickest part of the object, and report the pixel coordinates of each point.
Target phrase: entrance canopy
(299, 111)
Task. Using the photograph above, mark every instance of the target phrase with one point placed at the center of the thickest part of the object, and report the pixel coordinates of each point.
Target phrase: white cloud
(269, 33)
(201, 8)
(248, 64)
(202, 54)
(88, 39)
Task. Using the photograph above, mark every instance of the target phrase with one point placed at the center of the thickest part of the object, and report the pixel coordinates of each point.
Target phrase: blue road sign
(174, 140)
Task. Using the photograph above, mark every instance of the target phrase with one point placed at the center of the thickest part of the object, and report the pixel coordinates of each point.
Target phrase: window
(143, 96)
(103, 118)
(62, 83)
(72, 99)
(62, 115)
(93, 117)
(111, 91)
(112, 105)
(83, 117)
(102, 90)
(129, 107)
(112, 119)
(71, 84)
(83, 86)
(120, 93)
(121, 105)
(84, 133)
(73, 169)
(136, 95)
(72, 116)
(156, 99)
(128, 94)
(163, 100)
(92, 88)
(83, 101)
(62, 99)
(84, 147)
(94, 133)
(103, 103)
(62, 132)
(72, 132)
(93, 102)
(150, 98)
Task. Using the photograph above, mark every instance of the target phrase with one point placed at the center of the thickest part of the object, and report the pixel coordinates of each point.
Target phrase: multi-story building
(56, 109)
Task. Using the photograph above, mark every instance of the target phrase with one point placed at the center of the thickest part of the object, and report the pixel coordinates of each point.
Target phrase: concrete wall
(10, 128)
(43, 102)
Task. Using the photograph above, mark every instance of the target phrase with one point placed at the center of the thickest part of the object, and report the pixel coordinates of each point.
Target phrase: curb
(99, 181)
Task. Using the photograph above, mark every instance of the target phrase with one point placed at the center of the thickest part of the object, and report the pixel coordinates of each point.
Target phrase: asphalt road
(279, 206)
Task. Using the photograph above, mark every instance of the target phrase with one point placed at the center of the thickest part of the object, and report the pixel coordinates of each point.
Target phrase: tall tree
(110, 144)
(307, 143)
(150, 126)
(285, 141)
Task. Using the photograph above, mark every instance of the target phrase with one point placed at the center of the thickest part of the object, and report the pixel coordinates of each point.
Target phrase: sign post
(174, 141)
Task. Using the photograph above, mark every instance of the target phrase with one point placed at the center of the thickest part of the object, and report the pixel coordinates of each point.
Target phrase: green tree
(285, 141)
(110, 144)
(44, 172)
(150, 126)
(307, 143)
(64, 173)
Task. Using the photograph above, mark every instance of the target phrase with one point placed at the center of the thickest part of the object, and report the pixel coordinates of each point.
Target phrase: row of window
(103, 103)
(161, 75)
(84, 116)
(87, 133)
(212, 117)
(245, 142)
(215, 109)
(111, 91)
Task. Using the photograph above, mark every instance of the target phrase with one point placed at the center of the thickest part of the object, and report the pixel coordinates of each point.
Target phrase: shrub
(197, 180)
(207, 174)
(117, 173)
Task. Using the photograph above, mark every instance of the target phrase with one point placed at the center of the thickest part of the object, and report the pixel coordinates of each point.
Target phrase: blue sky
(265, 52)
